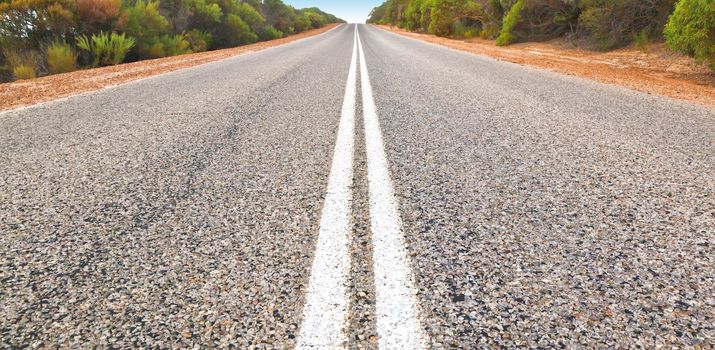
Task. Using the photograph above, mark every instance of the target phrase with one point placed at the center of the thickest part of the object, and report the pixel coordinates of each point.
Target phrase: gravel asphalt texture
(544, 210)
(177, 211)
(182, 211)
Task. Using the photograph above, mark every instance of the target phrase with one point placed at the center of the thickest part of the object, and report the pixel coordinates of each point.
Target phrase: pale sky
(353, 11)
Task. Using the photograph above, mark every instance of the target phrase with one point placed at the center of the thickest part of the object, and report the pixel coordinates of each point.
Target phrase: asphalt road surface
(358, 189)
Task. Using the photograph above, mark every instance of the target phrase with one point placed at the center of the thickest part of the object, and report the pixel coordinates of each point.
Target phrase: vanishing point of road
(358, 190)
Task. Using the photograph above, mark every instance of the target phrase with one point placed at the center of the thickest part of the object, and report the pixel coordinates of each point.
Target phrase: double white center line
(327, 301)
(326, 306)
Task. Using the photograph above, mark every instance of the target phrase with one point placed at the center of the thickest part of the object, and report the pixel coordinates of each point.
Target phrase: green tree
(279, 15)
(426, 10)
(512, 18)
(251, 16)
(203, 14)
(378, 13)
(37, 22)
(445, 14)
(235, 31)
(691, 30)
(413, 15)
(147, 26)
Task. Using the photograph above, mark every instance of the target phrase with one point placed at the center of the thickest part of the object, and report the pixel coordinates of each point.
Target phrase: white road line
(326, 309)
(398, 326)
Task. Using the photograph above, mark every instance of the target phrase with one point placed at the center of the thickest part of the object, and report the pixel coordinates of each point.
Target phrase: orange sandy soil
(657, 71)
(29, 92)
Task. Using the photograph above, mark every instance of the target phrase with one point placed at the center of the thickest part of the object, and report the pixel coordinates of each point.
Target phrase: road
(358, 190)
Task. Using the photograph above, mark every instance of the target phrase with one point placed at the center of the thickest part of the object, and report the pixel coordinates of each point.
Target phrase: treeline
(687, 25)
(39, 37)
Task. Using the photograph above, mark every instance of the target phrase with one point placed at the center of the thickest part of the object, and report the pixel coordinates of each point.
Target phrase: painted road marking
(326, 309)
(398, 326)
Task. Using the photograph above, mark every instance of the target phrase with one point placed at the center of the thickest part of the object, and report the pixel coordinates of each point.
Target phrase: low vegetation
(61, 58)
(24, 71)
(105, 48)
(40, 37)
(691, 30)
(687, 26)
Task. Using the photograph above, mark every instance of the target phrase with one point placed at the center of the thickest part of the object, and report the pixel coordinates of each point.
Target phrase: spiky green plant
(106, 48)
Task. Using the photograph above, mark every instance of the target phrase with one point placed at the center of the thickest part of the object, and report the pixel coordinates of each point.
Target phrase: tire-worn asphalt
(182, 211)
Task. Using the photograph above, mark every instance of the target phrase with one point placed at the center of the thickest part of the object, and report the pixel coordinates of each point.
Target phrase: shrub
(107, 49)
(198, 41)
(440, 24)
(615, 23)
(175, 45)
(235, 31)
(598, 21)
(413, 15)
(446, 13)
(24, 71)
(378, 14)
(608, 23)
(691, 30)
(253, 18)
(463, 30)
(21, 63)
(5, 70)
(61, 58)
(204, 14)
(278, 15)
(546, 19)
(317, 19)
(168, 45)
(270, 33)
(512, 18)
(156, 50)
(100, 13)
(36, 21)
(302, 23)
(151, 28)
(146, 25)
(641, 40)
(426, 10)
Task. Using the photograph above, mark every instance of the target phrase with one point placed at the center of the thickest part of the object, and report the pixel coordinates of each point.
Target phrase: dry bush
(22, 63)
(98, 11)
(24, 71)
(61, 58)
(612, 24)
